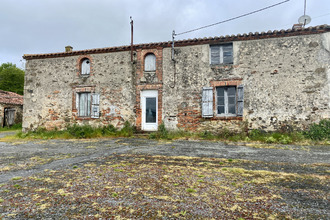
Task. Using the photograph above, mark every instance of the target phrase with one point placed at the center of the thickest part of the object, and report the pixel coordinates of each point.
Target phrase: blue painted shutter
(240, 100)
(227, 54)
(95, 106)
(207, 102)
(215, 54)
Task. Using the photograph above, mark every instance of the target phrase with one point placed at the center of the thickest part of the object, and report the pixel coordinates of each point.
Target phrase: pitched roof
(10, 98)
(196, 41)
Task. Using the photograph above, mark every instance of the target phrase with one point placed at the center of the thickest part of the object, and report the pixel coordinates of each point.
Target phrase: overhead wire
(234, 18)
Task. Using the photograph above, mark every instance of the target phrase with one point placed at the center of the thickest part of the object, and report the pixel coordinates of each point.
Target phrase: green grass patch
(80, 131)
(12, 128)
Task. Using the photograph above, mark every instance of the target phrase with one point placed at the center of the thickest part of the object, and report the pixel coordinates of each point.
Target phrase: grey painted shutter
(240, 100)
(207, 102)
(227, 52)
(95, 106)
(215, 54)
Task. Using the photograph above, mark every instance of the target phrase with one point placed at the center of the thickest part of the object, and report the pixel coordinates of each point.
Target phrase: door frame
(148, 94)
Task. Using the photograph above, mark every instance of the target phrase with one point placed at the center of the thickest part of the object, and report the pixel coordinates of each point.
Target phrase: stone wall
(286, 85)
(51, 85)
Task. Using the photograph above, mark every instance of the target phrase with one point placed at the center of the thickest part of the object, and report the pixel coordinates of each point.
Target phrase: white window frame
(217, 54)
(226, 102)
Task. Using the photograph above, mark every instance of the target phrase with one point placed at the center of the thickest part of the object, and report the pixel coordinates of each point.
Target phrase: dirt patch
(139, 179)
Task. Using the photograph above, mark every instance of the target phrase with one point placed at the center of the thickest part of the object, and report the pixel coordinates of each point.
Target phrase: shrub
(320, 131)
(127, 131)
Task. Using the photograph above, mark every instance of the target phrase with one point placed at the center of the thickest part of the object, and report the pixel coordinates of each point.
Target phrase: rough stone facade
(285, 76)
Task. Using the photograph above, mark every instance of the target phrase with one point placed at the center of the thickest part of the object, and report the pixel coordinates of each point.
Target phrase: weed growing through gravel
(137, 187)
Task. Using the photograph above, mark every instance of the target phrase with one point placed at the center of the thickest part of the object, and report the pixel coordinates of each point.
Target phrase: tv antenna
(305, 19)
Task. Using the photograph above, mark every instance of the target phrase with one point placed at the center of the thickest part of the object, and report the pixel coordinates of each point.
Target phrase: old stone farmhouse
(11, 108)
(266, 80)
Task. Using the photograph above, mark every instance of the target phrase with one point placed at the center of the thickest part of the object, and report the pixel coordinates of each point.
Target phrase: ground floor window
(222, 101)
(87, 104)
(226, 101)
(84, 104)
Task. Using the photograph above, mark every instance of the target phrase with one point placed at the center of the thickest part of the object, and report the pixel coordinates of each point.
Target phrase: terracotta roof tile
(196, 41)
(10, 98)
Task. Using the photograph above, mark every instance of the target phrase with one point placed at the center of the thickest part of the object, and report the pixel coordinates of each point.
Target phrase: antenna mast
(131, 38)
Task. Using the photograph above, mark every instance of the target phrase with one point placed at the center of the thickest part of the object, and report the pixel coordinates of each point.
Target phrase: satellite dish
(305, 19)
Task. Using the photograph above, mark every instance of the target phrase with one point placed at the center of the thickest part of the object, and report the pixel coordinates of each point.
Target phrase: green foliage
(11, 78)
(161, 133)
(80, 131)
(13, 127)
(320, 131)
(127, 131)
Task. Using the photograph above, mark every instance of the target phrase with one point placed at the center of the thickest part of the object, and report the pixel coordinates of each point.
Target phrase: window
(221, 54)
(226, 100)
(85, 67)
(229, 101)
(150, 62)
(87, 104)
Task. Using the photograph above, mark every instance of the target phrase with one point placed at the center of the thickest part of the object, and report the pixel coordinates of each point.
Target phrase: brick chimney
(68, 49)
(297, 27)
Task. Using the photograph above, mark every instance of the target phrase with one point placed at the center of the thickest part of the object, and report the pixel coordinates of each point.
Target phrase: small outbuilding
(11, 108)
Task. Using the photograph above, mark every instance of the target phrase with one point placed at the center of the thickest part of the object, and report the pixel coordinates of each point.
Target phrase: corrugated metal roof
(188, 42)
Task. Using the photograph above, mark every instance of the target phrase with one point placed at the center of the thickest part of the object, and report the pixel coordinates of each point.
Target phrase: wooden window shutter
(95, 106)
(215, 54)
(207, 102)
(240, 100)
(227, 51)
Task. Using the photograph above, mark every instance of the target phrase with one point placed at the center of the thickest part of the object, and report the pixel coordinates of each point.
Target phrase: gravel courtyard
(132, 178)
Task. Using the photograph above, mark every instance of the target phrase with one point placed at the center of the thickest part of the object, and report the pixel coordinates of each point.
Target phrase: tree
(11, 78)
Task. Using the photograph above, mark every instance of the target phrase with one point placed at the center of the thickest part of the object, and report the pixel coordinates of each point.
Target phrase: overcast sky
(47, 26)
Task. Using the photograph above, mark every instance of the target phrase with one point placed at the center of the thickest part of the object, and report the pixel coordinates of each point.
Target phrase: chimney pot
(297, 27)
(68, 49)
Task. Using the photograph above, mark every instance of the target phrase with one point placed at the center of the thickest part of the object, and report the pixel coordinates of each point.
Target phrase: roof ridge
(185, 42)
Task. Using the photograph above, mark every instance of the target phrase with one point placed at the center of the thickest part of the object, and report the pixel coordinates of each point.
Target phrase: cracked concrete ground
(29, 157)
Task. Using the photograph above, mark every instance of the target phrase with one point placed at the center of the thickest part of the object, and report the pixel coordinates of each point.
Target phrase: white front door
(149, 106)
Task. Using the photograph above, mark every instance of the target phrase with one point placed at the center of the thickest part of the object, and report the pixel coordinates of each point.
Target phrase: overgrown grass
(80, 131)
(318, 133)
(12, 128)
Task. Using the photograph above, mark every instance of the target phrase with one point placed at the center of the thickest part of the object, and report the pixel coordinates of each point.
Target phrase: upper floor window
(85, 67)
(221, 54)
(150, 62)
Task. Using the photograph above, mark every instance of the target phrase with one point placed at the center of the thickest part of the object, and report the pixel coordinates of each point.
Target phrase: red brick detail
(224, 82)
(76, 90)
(141, 54)
(79, 62)
(159, 88)
(189, 119)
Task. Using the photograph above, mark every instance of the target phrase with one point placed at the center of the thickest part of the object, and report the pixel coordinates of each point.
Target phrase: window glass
(151, 110)
(221, 54)
(150, 63)
(226, 100)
